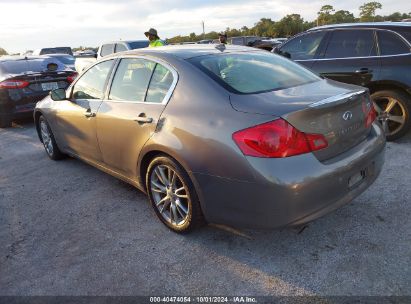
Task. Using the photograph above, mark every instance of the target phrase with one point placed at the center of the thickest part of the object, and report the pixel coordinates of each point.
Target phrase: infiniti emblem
(347, 115)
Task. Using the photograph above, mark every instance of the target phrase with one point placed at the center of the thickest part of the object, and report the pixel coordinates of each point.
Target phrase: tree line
(293, 24)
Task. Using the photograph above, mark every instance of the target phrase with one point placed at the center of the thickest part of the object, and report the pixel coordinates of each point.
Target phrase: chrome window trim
(166, 98)
(384, 56)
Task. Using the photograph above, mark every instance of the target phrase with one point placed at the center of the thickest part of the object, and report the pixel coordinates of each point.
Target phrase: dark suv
(374, 55)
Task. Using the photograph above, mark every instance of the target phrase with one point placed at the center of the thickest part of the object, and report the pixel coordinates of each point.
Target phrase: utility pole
(202, 23)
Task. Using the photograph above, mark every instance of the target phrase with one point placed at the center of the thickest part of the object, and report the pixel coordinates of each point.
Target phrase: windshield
(253, 72)
(58, 50)
(138, 44)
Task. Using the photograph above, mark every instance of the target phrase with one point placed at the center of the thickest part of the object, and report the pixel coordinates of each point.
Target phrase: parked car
(244, 40)
(66, 59)
(26, 80)
(266, 44)
(205, 41)
(110, 48)
(229, 135)
(374, 55)
(53, 50)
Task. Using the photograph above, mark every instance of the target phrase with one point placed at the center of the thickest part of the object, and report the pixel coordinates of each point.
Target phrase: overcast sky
(44, 23)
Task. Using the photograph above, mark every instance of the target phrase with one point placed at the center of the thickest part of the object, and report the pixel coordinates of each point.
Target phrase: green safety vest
(155, 43)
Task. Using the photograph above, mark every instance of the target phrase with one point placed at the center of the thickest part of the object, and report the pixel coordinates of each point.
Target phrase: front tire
(393, 109)
(48, 140)
(173, 196)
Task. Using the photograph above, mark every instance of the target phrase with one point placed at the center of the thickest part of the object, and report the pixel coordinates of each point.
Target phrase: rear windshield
(28, 66)
(138, 45)
(58, 50)
(65, 59)
(253, 72)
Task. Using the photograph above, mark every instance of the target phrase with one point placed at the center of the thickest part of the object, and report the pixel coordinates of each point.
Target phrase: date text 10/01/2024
(205, 299)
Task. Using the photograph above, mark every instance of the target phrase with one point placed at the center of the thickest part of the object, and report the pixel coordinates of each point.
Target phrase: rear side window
(255, 72)
(406, 34)
(120, 48)
(391, 44)
(131, 80)
(351, 43)
(302, 47)
(29, 66)
(138, 44)
(91, 84)
(107, 49)
(160, 84)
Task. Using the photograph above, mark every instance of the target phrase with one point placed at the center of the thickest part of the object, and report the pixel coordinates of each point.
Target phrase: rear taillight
(72, 77)
(13, 84)
(277, 139)
(369, 112)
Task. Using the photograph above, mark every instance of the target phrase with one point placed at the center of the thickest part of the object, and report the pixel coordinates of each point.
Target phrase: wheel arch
(148, 155)
(389, 85)
(37, 115)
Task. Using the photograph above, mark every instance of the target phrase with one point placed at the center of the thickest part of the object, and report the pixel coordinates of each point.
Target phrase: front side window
(131, 80)
(302, 47)
(391, 44)
(91, 84)
(351, 43)
(253, 72)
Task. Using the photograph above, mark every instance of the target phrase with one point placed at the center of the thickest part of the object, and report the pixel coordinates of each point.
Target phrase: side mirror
(276, 50)
(58, 95)
(95, 55)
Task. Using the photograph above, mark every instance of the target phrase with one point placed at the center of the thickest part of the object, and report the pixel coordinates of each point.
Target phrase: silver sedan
(219, 134)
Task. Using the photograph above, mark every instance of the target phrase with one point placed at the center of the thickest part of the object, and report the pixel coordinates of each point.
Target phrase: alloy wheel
(391, 114)
(46, 137)
(170, 194)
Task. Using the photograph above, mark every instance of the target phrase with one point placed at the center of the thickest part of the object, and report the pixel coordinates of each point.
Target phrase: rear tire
(48, 140)
(173, 196)
(5, 122)
(393, 108)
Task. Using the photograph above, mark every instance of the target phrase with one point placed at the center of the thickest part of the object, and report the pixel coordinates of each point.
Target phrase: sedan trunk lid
(335, 110)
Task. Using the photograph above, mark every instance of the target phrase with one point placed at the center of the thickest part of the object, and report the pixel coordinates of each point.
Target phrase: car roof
(57, 55)
(189, 50)
(125, 41)
(385, 24)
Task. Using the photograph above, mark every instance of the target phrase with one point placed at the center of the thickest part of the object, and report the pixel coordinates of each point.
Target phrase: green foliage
(293, 24)
(3, 52)
(367, 11)
(325, 15)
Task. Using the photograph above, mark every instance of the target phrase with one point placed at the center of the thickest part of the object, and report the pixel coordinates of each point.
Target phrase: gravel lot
(69, 229)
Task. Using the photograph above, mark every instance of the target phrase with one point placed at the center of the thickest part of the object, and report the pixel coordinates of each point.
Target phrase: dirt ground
(68, 229)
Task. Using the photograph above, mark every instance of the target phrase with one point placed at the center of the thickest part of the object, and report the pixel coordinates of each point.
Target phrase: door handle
(363, 71)
(142, 119)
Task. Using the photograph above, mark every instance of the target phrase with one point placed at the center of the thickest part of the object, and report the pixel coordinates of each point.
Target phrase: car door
(75, 118)
(303, 48)
(139, 91)
(350, 56)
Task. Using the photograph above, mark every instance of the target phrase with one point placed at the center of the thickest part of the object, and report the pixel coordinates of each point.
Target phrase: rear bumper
(292, 191)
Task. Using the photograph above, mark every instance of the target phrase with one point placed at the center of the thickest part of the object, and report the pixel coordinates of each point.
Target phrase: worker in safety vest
(152, 36)
(222, 37)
